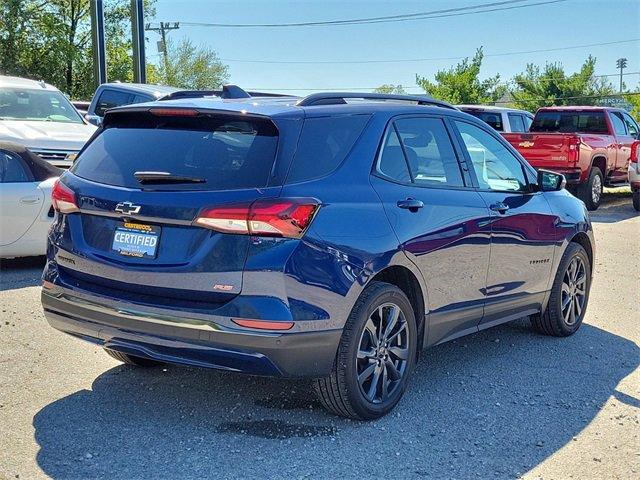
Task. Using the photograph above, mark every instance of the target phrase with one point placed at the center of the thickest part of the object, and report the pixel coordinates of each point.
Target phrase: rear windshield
(222, 153)
(569, 122)
(491, 118)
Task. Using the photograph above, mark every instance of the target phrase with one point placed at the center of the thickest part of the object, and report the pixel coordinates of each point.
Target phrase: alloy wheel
(574, 291)
(596, 189)
(383, 353)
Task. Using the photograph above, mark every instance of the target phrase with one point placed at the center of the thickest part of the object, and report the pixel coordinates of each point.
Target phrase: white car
(41, 118)
(25, 201)
(504, 120)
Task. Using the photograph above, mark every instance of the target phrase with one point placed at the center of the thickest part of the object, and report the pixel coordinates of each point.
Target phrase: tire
(590, 192)
(559, 321)
(132, 359)
(636, 200)
(341, 393)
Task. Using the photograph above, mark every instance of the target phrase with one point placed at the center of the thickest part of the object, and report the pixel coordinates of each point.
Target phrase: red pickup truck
(591, 146)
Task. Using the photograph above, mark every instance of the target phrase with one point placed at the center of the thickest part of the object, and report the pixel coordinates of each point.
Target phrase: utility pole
(622, 64)
(137, 33)
(162, 29)
(97, 42)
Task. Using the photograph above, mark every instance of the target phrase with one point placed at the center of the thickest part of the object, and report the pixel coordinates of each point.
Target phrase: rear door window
(324, 143)
(516, 122)
(112, 98)
(224, 152)
(419, 150)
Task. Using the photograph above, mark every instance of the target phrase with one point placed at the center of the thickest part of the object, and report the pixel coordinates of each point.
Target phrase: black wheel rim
(383, 353)
(574, 291)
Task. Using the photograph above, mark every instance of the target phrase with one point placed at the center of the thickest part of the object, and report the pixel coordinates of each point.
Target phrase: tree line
(50, 40)
(534, 88)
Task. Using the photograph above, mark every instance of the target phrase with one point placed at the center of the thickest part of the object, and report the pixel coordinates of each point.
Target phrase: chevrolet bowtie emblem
(127, 208)
(526, 144)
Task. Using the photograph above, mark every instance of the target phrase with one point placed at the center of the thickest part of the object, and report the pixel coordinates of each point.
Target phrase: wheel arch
(600, 160)
(407, 281)
(583, 240)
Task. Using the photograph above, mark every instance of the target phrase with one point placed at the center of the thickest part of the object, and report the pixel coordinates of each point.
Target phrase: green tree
(462, 84)
(390, 88)
(51, 40)
(535, 87)
(634, 99)
(192, 67)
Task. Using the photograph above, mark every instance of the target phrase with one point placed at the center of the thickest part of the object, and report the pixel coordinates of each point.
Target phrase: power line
(449, 12)
(502, 54)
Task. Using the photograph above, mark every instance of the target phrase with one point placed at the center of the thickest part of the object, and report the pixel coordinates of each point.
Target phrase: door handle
(410, 204)
(29, 200)
(499, 207)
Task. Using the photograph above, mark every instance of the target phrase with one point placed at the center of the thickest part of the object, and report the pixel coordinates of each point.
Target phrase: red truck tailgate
(546, 150)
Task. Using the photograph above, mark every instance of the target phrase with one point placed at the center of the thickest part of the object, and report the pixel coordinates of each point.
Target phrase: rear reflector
(277, 217)
(63, 199)
(263, 325)
(47, 285)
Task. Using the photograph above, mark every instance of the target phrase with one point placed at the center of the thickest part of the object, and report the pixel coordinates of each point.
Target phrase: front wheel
(376, 356)
(569, 295)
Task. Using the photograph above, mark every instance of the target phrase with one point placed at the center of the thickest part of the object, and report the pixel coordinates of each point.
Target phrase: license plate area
(136, 240)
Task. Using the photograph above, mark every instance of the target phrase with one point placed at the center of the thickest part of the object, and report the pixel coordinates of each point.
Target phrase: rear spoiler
(227, 92)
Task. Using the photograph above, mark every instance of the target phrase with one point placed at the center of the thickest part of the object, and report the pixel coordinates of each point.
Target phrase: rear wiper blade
(165, 177)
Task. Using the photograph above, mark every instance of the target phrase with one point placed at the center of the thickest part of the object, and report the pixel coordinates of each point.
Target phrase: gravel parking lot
(503, 403)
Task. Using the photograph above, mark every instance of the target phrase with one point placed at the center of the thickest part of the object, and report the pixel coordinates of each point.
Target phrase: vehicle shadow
(21, 272)
(494, 404)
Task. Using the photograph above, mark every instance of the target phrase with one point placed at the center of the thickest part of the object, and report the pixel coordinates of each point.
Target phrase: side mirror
(93, 119)
(550, 181)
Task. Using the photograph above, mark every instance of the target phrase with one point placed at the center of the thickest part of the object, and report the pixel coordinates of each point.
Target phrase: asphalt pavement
(504, 403)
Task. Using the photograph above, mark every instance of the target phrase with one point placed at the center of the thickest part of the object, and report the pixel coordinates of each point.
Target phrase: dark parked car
(331, 237)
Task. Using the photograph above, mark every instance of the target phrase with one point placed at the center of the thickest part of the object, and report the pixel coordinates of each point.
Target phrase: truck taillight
(573, 142)
(635, 150)
(278, 217)
(63, 199)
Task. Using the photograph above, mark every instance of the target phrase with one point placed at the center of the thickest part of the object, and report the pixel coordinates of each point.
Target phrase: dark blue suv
(332, 237)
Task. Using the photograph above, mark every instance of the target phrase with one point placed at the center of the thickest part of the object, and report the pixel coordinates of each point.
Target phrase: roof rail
(337, 98)
(228, 91)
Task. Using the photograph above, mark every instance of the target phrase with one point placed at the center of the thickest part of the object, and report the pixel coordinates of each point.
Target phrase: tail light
(633, 158)
(573, 142)
(279, 217)
(63, 199)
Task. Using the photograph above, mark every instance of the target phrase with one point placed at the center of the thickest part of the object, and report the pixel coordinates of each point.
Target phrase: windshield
(569, 122)
(36, 105)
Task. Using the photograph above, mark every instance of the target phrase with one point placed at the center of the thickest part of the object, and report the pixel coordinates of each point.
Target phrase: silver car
(504, 120)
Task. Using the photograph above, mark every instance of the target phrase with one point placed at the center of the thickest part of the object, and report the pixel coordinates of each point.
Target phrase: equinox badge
(127, 208)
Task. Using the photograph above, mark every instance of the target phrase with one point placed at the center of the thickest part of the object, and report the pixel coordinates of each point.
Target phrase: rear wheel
(590, 192)
(376, 356)
(132, 359)
(636, 200)
(569, 295)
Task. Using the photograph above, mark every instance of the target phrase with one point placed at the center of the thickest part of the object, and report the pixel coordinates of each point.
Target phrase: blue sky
(569, 23)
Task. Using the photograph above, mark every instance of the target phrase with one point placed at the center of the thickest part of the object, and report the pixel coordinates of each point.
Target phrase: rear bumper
(175, 338)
